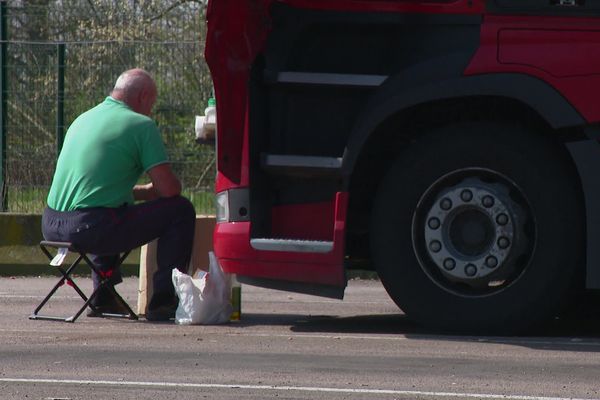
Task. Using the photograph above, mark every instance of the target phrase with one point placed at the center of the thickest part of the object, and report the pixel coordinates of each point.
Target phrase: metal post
(3, 105)
(60, 98)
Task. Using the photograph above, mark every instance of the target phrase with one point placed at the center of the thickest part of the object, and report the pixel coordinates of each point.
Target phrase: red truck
(449, 145)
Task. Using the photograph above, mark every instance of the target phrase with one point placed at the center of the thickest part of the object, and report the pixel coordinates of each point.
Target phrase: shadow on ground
(569, 334)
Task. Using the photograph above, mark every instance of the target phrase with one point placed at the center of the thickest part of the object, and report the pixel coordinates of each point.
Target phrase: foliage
(102, 38)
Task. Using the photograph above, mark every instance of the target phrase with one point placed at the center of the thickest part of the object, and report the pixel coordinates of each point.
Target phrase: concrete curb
(20, 255)
(20, 229)
(31, 270)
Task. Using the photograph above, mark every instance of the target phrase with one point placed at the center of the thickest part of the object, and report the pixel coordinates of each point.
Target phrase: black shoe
(105, 302)
(162, 307)
(162, 313)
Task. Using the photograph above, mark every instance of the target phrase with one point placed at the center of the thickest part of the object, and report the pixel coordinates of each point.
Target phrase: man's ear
(142, 96)
(140, 100)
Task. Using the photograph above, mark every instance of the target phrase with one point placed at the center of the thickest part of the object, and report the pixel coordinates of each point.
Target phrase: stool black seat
(63, 248)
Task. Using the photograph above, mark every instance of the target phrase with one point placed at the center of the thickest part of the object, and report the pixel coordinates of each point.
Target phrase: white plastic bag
(205, 300)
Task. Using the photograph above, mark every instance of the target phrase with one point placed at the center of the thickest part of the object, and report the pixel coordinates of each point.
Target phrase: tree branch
(172, 7)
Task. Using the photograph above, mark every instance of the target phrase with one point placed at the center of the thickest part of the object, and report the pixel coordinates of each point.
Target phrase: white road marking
(286, 388)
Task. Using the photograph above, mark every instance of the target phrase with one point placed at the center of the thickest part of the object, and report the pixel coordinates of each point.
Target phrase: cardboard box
(202, 245)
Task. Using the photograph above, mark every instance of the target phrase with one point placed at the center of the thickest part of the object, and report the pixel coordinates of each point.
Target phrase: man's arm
(164, 183)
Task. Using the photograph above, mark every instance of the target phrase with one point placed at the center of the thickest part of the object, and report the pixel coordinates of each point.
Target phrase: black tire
(485, 287)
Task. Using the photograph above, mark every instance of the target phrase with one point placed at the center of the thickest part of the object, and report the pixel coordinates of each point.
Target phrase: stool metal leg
(104, 283)
(65, 277)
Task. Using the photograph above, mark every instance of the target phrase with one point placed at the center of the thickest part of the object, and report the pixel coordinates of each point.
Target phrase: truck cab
(448, 145)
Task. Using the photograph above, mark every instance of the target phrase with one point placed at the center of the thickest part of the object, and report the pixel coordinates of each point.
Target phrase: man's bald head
(136, 88)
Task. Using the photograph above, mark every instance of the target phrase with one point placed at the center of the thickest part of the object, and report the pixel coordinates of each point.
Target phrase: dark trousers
(105, 232)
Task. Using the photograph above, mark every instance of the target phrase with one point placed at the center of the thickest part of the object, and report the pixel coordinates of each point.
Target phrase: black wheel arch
(398, 94)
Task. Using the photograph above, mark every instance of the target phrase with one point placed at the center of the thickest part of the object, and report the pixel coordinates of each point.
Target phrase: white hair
(132, 81)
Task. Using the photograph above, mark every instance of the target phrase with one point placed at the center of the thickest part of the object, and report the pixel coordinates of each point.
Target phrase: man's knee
(184, 214)
(185, 208)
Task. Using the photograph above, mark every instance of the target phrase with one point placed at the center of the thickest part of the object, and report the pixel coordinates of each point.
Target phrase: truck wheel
(477, 227)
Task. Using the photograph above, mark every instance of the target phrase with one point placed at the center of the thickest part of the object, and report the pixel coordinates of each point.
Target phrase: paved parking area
(286, 346)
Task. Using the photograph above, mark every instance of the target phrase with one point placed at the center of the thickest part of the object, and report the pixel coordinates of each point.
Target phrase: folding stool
(56, 261)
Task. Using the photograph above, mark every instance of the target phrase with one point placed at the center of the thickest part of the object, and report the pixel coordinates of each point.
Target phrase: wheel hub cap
(469, 230)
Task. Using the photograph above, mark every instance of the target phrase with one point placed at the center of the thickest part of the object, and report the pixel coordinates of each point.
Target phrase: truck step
(325, 79)
(296, 165)
(291, 245)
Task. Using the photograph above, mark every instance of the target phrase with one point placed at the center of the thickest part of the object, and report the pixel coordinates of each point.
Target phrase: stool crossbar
(56, 261)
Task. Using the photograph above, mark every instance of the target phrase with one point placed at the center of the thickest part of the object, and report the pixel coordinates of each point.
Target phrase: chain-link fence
(62, 57)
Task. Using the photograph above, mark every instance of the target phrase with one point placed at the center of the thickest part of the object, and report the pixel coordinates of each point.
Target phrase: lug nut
(487, 201)
(502, 219)
(503, 242)
(470, 270)
(449, 264)
(435, 246)
(434, 223)
(491, 262)
(446, 204)
(466, 195)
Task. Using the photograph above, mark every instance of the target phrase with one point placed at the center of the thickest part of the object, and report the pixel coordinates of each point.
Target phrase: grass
(203, 202)
(32, 200)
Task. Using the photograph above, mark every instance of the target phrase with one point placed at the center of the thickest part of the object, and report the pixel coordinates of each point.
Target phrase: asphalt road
(286, 346)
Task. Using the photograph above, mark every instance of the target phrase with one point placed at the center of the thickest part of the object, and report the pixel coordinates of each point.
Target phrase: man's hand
(144, 192)
(164, 184)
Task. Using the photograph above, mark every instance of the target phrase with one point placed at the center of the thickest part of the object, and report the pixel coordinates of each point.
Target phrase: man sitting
(91, 200)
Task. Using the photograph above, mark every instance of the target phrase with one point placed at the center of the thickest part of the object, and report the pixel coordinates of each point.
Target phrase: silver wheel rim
(473, 232)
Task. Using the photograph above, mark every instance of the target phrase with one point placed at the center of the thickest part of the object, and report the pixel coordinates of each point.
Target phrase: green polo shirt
(105, 152)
